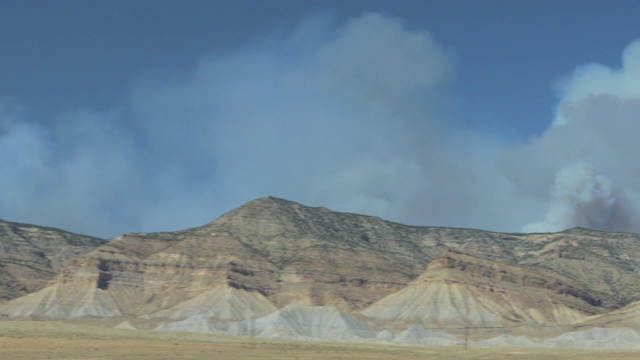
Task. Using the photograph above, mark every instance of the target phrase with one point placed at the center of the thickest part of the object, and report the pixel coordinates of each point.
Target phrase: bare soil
(55, 340)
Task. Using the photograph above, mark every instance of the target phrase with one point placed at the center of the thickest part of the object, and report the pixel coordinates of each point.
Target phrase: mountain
(459, 290)
(276, 268)
(31, 256)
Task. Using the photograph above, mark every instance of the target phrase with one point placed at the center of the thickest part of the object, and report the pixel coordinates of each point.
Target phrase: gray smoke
(586, 199)
(588, 150)
(350, 116)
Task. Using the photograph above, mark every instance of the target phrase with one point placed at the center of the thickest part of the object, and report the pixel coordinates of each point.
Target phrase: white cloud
(592, 80)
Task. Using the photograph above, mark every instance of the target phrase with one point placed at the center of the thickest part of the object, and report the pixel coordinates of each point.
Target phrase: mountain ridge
(31, 255)
(271, 254)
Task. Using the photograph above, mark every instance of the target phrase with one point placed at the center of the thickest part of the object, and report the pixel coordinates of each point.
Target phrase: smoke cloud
(596, 124)
(351, 116)
(586, 199)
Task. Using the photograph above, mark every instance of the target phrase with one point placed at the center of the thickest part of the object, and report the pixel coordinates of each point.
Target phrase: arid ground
(51, 340)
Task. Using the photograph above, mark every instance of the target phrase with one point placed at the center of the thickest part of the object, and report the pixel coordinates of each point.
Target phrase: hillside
(31, 256)
(276, 268)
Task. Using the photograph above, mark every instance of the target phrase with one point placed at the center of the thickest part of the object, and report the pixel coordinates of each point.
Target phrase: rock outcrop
(459, 290)
(31, 256)
(273, 265)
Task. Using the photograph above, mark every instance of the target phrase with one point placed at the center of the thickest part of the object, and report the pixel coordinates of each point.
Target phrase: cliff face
(31, 256)
(273, 253)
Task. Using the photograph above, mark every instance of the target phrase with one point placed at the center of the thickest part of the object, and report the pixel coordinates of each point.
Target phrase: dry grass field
(52, 340)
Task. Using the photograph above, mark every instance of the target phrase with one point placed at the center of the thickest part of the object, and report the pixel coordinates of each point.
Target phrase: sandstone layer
(31, 256)
(275, 267)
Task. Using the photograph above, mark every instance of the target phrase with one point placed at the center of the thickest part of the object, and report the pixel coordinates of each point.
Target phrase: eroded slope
(31, 256)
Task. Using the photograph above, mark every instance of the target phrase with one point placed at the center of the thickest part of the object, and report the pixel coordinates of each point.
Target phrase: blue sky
(120, 116)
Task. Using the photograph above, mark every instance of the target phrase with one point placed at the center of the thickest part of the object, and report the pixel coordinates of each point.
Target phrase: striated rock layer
(31, 256)
(275, 267)
(459, 290)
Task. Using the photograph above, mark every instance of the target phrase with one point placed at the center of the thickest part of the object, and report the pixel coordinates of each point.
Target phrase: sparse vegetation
(48, 340)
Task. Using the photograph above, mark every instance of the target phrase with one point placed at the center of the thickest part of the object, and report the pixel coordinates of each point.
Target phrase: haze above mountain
(362, 112)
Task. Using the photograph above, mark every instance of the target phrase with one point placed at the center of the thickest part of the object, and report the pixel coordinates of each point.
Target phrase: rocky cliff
(272, 258)
(31, 256)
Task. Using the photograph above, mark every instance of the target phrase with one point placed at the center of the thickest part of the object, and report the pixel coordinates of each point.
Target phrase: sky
(155, 115)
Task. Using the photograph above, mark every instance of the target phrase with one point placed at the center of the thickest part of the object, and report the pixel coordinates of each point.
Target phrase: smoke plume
(581, 197)
(351, 116)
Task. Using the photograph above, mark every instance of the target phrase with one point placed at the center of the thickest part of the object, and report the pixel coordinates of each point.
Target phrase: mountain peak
(272, 253)
(271, 200)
